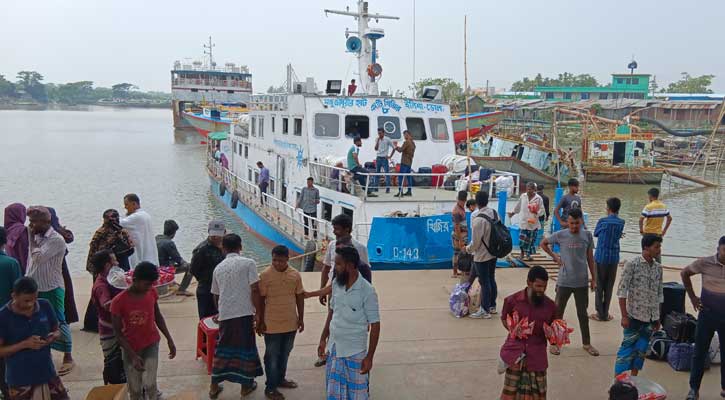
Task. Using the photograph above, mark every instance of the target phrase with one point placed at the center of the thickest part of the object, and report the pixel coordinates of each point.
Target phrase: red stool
(207, 335)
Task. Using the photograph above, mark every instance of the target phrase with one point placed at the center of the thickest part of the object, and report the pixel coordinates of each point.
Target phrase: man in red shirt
(351, 88)
(136, 316)
(525, 359)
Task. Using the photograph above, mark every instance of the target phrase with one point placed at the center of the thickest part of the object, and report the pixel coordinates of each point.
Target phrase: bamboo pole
(465, 95)
(711, 142)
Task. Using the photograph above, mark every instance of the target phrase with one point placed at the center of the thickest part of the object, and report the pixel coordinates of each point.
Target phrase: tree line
(686, 84)
(29, 86)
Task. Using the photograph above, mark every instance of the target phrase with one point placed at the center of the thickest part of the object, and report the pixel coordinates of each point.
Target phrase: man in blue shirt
(28, 326)
(353, 308)
(9, 273)
(608, 232)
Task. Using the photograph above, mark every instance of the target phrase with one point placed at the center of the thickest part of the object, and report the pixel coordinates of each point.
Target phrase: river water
(83, 161)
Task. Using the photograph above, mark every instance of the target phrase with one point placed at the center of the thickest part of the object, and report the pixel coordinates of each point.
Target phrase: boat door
(282, 178)
(619, 152)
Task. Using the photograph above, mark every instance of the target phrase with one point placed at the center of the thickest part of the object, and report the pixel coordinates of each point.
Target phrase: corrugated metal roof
(688, 105)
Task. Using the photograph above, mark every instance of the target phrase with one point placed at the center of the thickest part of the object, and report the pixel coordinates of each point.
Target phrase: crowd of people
(581, 269)
(34, 317)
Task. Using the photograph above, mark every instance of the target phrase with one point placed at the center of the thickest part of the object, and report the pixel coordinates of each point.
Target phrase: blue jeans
(405, 169)
(381, 163)
(708, 323)
(278, 346)
(486, 272)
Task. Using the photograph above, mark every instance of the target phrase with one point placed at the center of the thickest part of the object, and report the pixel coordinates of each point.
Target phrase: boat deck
(424, 352)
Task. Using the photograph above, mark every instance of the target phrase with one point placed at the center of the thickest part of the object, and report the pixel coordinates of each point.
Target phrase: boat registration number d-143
(406, 253)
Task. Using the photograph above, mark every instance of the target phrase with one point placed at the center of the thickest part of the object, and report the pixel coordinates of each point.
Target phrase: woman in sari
(109, 236)
(71, 311)
(17, 234)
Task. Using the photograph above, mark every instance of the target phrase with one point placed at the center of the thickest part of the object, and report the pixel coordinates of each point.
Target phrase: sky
(137, 41)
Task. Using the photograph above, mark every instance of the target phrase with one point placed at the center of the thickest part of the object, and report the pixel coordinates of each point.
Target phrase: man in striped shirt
(653, 214)
(47, 249)
(608, 232)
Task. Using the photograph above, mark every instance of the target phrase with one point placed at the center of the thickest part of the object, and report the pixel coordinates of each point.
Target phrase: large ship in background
(206, 97)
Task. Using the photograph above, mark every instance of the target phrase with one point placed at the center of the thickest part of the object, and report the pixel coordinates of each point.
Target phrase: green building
(623, 86)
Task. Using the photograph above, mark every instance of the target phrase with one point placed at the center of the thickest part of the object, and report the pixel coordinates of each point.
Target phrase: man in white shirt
(235, 285)
(529, 207)
(138, 224)
(383, 146)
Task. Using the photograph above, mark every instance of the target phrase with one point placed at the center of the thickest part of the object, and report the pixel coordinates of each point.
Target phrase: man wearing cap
(205, 257)
(169, 255)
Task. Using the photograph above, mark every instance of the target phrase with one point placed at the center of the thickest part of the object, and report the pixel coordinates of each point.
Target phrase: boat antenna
(208, 50)
(368, 68)
(465, 93)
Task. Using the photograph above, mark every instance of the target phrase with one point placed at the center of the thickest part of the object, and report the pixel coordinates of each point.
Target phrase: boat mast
(366, 57)
(465, 92)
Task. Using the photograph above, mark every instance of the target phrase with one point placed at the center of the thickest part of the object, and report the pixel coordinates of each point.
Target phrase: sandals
(288, 384)
(213, 394)
(591, 350)
(274, 395)
(66, 368)
(554, 350)
(247, 390)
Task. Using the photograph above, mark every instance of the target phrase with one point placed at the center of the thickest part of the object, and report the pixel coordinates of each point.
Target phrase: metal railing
(217, 83)
(292, 221)
(345, 181)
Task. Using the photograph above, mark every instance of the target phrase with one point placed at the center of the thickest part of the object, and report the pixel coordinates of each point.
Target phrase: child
(623, 391)
(28, 326)
(136, 316)
(608, 232)
(471, 205)
(101, 296)
(283, 314)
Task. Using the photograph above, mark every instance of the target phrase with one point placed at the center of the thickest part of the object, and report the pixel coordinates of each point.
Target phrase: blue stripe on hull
(253, 221)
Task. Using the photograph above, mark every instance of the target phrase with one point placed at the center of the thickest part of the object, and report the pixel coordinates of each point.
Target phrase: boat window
(357, 125)
(285, 126)
(256, 177)
(567, 96)
(273, 123)
(416, 128)
(249, 174)
(254, 126)
(347, 211)
(602, 96)
(298, 126)
(585, 96)
(246, 151)
(438, 129)
(615, 95)
(549, 95)
(620, 80)
(327, 125)
(635, 81)
(326, 211)
(391, 126)
(628, 81)
(261, 126)
(271, 186)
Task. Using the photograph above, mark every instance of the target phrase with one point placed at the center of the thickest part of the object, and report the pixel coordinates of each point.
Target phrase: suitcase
(674, 294)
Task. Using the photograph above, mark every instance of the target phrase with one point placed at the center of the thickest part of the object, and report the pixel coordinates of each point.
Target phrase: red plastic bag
(558, 332)
(519, 328)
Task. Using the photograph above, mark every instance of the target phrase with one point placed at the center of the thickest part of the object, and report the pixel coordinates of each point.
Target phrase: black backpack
(659, 346)
(499, 241)
(680, 327)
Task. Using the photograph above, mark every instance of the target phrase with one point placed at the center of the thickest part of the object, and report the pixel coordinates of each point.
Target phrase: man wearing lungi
(525, 359)
(353, 308)
(640, 294)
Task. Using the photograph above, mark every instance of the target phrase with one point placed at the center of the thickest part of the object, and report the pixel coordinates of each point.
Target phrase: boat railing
(287, 218)
(436, 186)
